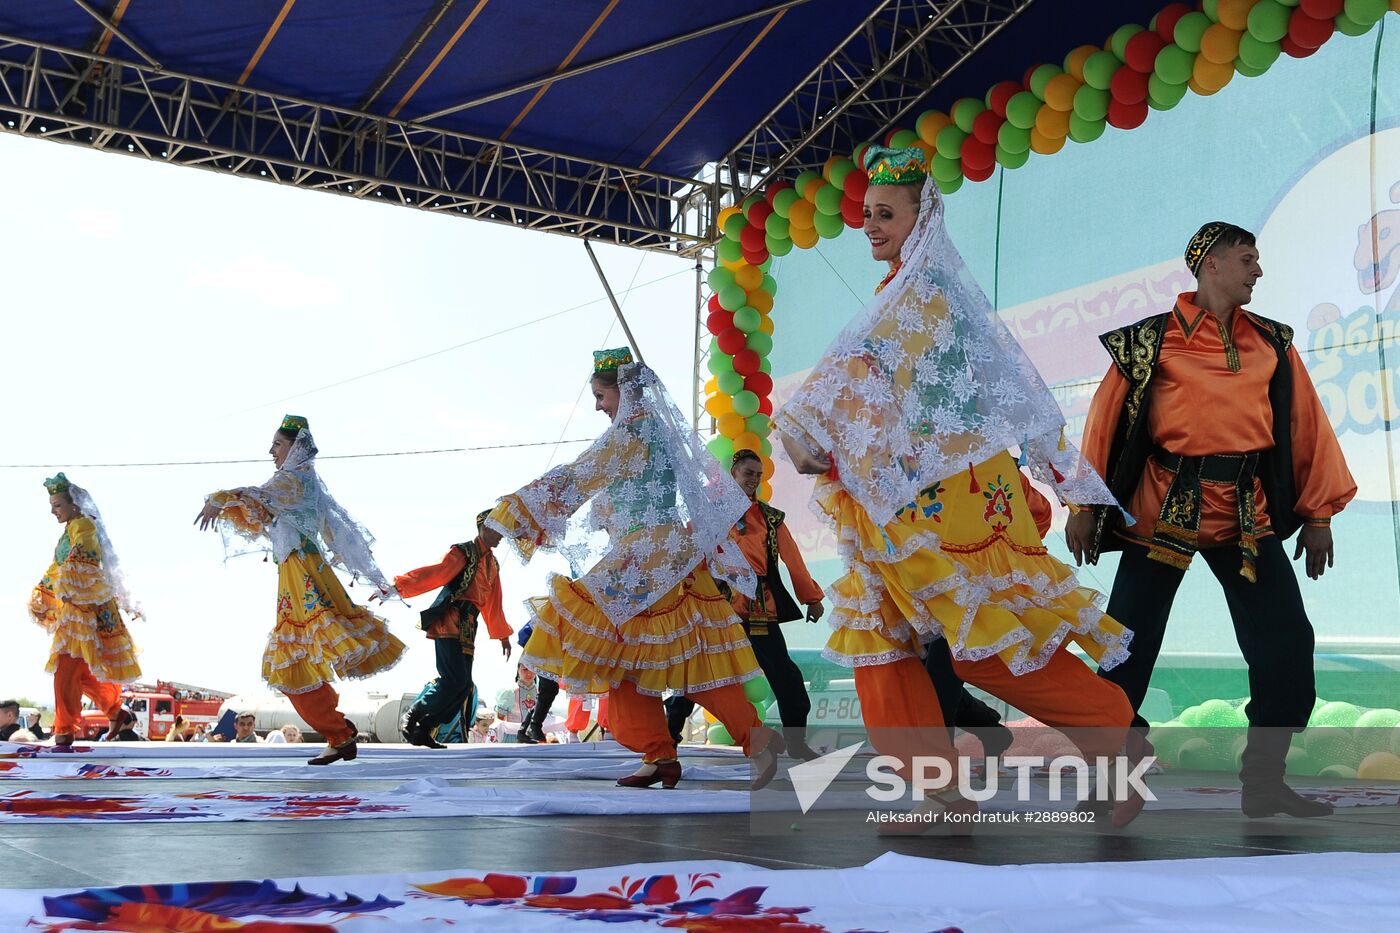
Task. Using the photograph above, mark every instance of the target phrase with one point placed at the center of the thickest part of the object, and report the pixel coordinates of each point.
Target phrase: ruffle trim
(375, 650)
(82, 582)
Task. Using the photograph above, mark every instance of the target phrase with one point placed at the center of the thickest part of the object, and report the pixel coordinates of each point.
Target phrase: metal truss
(102, 102)
(874, 79)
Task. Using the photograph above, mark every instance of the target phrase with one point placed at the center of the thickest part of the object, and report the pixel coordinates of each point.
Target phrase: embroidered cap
(56, 484)
(481, 518)
(295, 423)
(605, 360)
(1204, 241)
(895, 166)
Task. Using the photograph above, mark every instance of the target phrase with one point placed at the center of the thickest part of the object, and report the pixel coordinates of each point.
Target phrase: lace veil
(927, 380)
(111, 563)
(642, 507)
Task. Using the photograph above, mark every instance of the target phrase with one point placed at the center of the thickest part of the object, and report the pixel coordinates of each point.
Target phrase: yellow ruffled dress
(75, 604)
(320, 634)
(689, 640)
(964, 562)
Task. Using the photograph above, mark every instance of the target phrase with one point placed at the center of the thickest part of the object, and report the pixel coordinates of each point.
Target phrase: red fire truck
(157, 706)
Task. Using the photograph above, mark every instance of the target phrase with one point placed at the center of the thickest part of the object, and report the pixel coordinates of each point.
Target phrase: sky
(159, 314)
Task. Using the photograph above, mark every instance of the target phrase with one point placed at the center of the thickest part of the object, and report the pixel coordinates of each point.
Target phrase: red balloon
(732, 340)
(853, 213)
(775, 187)
(855, 184)
(1127, 116)
(1141, 51)
(977, 155)
(760, 384)
(720, 321)
(756, 257)
(714, 305)
(978, 174)
(759, 212)
(1167, 19)
(1000, 95)
(1128, 86)
(1322, 9)
(1026, 78)
(1307, 32)
(751, 239)
(746, 362)
(1294, 49)
(765, 406)
(985, 126)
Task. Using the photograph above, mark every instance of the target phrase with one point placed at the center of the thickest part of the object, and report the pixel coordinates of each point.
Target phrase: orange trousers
(639, 721)
(72, 680)
(319, 709)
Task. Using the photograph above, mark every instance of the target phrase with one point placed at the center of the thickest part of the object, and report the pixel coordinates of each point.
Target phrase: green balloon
(722, 449)
(964, 111)
(1246, 70)
(1085, 131)
(828, 225)
(718, 735)
(758, 424)
(1008, 159)
(946, 170)
(1350, 27)
(765, 365)
(777, 246)
(784, 200)
(1174, 64)
(735, 225)
(1216, 714)
(1257, 53)
(1196, 755)
(761, 711)
(745, 404)
(1211, 9)
(1091, 103)
(732, 297)
(750, 201)
(765, 447)
(760, 343)
(805, 178)
(1041, 77)
(1189, 30)
(828, 200)
(1268, 21)
(1099, 69)
(1338, 771)
(1118, 42)
(948, 187)
(719, 277)
(757, 690)
(1383, 718)
(1164, 96)
(1021, 110)
(1191, 717)
(746, 318)
(729, 250)
(903, 139)
(1364, 13)
(949, 141)
(770, 285)
(730, 382)
(719, 362)
(839, 170)
(776, 226)
(1299, 763)
(1339, 715)
(1013, 139)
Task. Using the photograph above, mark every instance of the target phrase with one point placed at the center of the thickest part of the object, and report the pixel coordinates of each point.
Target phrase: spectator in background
(275, 737)
(243, 729)
(126, 728)
(482, 732)
(291, 733)
(10, 724)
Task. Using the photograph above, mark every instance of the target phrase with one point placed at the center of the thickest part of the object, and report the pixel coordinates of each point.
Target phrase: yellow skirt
(320, 633)
(689, 640)
(964, 562)
(96, 634)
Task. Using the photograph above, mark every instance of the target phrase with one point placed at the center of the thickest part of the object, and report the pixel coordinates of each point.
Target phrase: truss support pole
(612, 299)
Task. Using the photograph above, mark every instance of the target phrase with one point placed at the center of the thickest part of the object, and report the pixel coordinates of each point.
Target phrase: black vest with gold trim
(455, 592)
(1134, 350)
(771, 580)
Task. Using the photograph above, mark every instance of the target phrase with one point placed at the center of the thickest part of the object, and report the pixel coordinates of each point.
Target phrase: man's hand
(1317, 541)
(814, 611)
(1079, 536)
(505, 647)
(804, 460)
(207, 516)
(490, 536)
(32, 720)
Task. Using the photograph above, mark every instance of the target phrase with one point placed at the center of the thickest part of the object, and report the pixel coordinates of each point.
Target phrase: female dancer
(643, 614)
(80, 602)
(319, 632)
(908, 417)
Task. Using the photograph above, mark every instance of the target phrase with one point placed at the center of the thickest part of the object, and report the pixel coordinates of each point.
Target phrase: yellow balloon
(748, 441)
(719, 405)
(710, 719)
(1052, 123)
(1045, 145)
(1380, 766)
(1060, 91)
(1234, 14)
(803, 237)
(765, 490)
(931, 123)
(711, 386)
(765, 324)
(731, 425)
(750, 277)
(735, 265)
(725, 214)
(1220, 44)
(801, 214)
(760, 301)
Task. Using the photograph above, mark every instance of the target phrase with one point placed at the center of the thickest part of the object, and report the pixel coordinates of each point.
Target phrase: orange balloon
(725, 214)
(1045, 145)
(933, 122)
(1220, 44)
(1395, 6)
(760, 301)
(767, 465)
(1060, 91)
(765, 490)
(803, 237)
(765, 324)
(731, 425)
(927, 149)
(1210, 75)
(1199, 88)
(711, 386)
(751, 277)
(1074, 62)
(801, 214)
(719, 404)
(747, 441)
(1234, 14)
(1052, 124)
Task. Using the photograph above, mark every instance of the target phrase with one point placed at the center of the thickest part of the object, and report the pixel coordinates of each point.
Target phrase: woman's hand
(804, 460)
(207, 516)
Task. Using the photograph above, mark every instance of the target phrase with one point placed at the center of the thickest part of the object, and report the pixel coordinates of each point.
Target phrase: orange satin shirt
(753, 544)
(1199, 405)
(484, 592)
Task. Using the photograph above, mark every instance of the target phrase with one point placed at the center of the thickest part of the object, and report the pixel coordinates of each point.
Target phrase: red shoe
(765, 746)
(666, 773)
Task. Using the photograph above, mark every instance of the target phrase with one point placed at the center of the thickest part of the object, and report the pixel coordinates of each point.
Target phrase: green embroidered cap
(604, 360)
(895, 166)
(57, 484)
(295, 423)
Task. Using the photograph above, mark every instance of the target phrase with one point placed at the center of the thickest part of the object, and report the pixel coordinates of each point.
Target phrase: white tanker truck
(376, 715)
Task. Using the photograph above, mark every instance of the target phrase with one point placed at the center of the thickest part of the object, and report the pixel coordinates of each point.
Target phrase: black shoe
(797, 748)
(534, 735)
(417, 730)
(995, 740)
(1261, 800)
